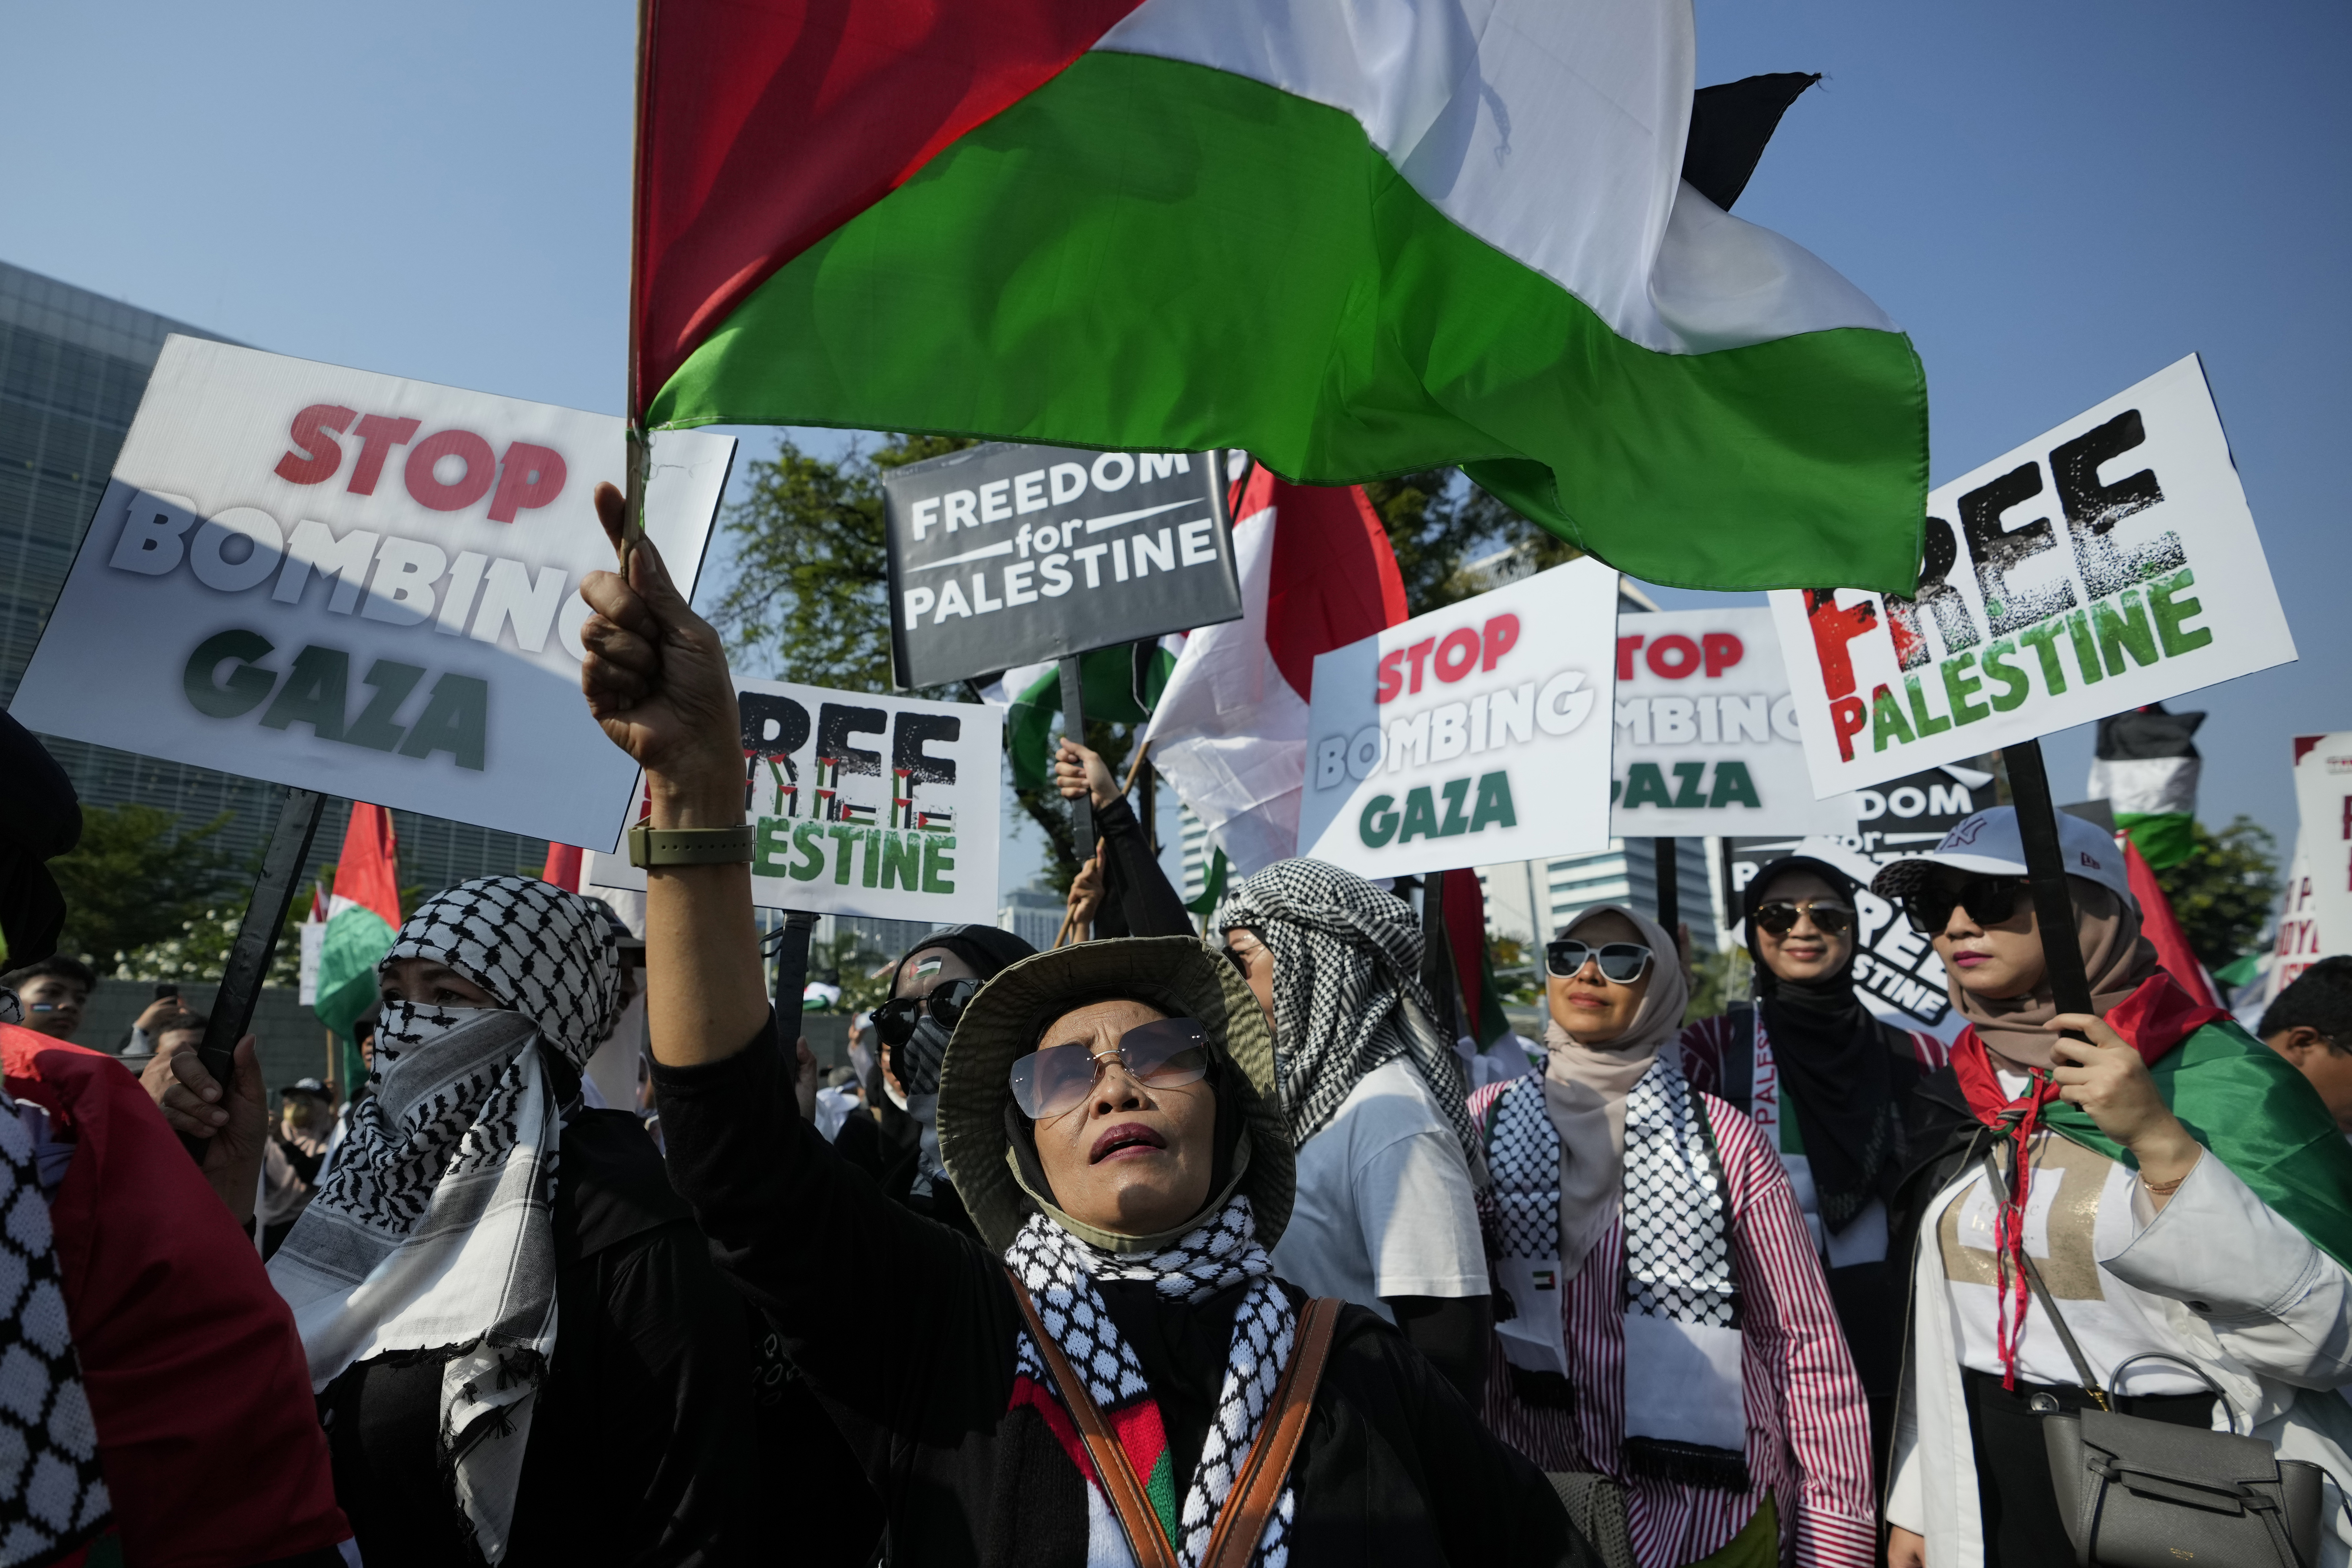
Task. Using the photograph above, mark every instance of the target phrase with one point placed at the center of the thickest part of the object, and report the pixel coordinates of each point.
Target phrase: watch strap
(651, 846)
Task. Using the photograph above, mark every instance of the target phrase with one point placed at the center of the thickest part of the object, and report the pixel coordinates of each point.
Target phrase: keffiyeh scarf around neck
(1060, 1271)
(435, 1230)
(52, 1495)
(1348, 995)
(1685, 1403)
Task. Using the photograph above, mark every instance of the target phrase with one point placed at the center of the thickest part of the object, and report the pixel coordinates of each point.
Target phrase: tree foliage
(2226, 890)
(1438, 522)
(136, 879)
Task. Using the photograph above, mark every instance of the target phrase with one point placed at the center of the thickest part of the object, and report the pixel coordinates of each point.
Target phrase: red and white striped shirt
(1808, 1429)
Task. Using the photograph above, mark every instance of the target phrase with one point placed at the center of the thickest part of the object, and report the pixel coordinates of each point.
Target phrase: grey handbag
(2136, 1493)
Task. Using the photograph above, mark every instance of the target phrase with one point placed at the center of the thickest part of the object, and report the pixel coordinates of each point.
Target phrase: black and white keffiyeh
(434, 1231)
(52, 1496)
(1348, 995)
(1060, 1271)
(1685, 1405)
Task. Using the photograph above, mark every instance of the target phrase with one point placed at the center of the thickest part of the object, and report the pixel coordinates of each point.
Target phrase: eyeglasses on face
(1989, 900)
(1623, 961)
(1167, 1053)
(895, 1020)
(1780, 916)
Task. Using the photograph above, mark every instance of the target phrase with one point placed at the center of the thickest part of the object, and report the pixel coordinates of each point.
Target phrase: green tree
(199, 953)
(2225, 891)
(1438, 522)
(137, 878)
(1717, 980)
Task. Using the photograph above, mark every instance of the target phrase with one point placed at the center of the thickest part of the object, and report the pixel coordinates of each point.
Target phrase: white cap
(1987, 843)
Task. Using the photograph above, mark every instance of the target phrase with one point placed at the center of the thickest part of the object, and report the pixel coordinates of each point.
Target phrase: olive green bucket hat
(1177, 975)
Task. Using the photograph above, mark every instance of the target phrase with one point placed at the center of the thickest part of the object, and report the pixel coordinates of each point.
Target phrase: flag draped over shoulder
(1354, 244)
(1230, 732)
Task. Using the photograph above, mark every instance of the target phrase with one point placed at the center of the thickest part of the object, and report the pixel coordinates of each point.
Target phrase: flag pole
(256, 939)
(2045, 871)
(791, 966)
(1073, 717)
(1670, 902)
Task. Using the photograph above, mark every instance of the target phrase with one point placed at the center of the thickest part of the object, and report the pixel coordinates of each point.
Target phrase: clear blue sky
(2055, 200)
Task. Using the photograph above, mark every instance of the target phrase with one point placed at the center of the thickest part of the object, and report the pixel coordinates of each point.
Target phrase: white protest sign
(361, 584)
(1473, 735)
(2110, 563)
(2295, 946)
(865, 805)
(2323, 795)
(1706, 732)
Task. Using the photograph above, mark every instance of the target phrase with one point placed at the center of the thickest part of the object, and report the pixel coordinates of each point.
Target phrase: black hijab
(1847, 1082)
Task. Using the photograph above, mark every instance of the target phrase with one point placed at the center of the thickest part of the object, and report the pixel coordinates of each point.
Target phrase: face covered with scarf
(1337, 964)
(434, 1233)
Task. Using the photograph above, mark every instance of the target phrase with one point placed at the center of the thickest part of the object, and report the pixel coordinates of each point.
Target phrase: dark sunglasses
(1167, 1053)
(1623, 961)
(895, 1020)
(1779, 917)
(1988, 900)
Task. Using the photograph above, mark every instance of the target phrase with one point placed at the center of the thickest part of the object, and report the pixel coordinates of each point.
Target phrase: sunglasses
(895, 1020)
(1779, 917)
(1167, 1053)
(1623, 961)
(1987, 899)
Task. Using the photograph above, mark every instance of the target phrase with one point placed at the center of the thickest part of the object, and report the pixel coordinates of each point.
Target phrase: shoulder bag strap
(2000, 1190)
(1144, 1534)
(1257, 1488)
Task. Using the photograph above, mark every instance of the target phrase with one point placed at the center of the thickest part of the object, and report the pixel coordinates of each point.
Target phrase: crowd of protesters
(1159, 1248)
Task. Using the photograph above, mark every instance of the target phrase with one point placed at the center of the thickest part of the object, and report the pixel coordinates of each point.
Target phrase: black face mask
(917, 1062)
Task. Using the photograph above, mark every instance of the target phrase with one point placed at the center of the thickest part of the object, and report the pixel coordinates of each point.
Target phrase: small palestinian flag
(1119, 685)
(2147, 769)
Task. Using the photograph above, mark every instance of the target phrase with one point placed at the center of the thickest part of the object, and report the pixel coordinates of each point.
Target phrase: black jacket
(906, 1331)
(641, 1442)
(1137, 899)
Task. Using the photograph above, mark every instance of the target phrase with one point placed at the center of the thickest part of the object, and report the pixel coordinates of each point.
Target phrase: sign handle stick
(792, 963)
(2045, 869)
(1670, 910)
(1073, 717)
(256, 938)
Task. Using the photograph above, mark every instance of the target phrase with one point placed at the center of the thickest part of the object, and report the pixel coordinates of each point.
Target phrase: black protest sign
(1004, 555)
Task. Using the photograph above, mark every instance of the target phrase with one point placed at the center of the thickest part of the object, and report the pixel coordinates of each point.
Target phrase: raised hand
(656, 676)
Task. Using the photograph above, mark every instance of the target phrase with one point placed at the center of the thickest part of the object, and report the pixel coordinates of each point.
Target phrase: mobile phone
(164, 988)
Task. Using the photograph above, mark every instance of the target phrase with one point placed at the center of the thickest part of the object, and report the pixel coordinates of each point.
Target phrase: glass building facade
(73, 366)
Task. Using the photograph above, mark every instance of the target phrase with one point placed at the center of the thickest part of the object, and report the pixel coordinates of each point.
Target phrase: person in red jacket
(197, 1445)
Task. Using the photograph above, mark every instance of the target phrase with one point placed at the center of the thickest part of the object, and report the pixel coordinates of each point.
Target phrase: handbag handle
(2115, 1378)
(1257, 1485)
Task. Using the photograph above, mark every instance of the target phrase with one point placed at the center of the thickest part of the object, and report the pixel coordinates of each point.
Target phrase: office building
(1033, 915)
(73, 366)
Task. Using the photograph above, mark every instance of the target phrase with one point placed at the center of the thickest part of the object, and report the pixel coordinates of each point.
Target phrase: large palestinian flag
(1354, 241)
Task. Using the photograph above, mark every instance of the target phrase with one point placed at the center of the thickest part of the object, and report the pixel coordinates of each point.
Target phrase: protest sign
(1473, 735)
(2110, 563)
(865, 805)
(2322, 795)
(1895, 967)
(1002, 555)
(2295, 945)
(1706, 732)
(358, 584)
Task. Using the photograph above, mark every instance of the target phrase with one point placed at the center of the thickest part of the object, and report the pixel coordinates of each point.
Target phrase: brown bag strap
(1259, 1487)
(1258, 1484)
(1126, 1495)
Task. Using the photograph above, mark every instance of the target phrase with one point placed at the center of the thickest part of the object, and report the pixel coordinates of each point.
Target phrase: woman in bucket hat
(2181, 1192)
(1096, 1379)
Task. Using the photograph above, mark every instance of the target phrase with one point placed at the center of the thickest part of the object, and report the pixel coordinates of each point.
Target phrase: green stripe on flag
(2166, 839)
(1106, 687)
(357, 940)
(1353, 331)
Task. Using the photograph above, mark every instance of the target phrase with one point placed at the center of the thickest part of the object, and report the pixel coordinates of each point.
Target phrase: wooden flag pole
(2045, 872)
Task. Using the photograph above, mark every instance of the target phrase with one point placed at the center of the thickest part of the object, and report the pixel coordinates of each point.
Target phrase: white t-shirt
(1384, 1205)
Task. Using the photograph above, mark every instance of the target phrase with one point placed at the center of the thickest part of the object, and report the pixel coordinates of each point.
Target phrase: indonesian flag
(1231, 729)
(363, 916)
(1353, 239)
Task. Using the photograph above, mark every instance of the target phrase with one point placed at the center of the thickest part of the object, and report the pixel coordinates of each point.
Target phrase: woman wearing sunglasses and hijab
(1387, 1215)
(927, 992)
(522, 1351)
(1827, 1082)
(1666, 1338)
(1107, 1114)
(2183, 1193)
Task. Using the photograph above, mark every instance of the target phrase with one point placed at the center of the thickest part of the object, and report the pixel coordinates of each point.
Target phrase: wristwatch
(650, 846)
